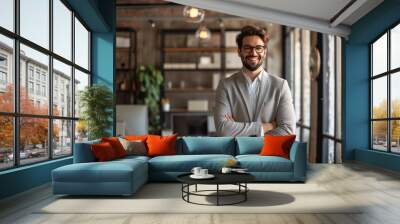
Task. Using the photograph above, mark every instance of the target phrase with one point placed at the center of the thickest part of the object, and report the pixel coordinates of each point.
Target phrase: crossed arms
(228, 124)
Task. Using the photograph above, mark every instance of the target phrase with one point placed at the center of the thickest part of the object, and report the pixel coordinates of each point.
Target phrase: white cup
(226, 170)
(196, 171)
(203, 172)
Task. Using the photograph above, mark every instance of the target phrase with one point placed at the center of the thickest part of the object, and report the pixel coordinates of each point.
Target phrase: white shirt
(254, 87)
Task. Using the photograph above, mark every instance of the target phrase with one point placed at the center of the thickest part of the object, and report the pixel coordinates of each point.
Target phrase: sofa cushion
(112, 171)
(257, 163)
(249, 145)
(277, 145)
(103, 152)
(116, 145)
(161, 145)
(185, 163)
(134, 147)
(207, 145)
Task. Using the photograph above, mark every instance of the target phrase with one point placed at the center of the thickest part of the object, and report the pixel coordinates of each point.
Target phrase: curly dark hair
(251, 31)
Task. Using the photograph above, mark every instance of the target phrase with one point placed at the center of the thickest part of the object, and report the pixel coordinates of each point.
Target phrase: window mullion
(16, 85)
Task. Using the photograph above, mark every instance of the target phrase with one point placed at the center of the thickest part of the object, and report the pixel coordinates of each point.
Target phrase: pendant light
(193, 14)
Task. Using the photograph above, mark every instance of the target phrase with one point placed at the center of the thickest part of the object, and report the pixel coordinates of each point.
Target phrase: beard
(250, 66)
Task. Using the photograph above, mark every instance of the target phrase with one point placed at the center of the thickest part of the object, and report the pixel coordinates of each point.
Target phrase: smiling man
(252, 102)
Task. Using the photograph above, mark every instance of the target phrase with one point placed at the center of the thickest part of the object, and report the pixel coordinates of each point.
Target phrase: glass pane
(306, 135)
(62, 138)
(297, 74)
(395, 47)
(35, 21)
(328, 150)
(298, 131)
(338, 153)
(34, 92)
(33, 139)
(62, 29)
(395, 138)
(338, 90)
(81, 45)
(62, 89)
(379, 135)
(379, 56)
(328, 115)
(379, 98)
(395, 95)
(6, 74)
(81, 131)
(81, 81)
(6, 142)
(7, 14)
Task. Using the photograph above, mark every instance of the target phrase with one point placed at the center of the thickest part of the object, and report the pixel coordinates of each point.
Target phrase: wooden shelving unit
(126, 66)
(192, 71)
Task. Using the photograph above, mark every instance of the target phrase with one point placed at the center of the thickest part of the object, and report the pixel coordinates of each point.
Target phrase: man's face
(253, 52)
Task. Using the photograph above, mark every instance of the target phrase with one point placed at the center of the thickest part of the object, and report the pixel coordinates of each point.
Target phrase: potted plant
(150, 81)
(96, 102)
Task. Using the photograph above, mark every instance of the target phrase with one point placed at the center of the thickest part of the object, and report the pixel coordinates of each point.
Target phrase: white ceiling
(316, 15)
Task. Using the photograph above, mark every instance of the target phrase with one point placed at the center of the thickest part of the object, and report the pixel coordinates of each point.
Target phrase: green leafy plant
(150, 81)
(96, 102)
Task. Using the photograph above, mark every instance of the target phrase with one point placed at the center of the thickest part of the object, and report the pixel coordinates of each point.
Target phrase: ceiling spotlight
(193, 15)
(203, 33)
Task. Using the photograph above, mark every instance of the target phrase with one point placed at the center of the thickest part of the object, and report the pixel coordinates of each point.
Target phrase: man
(252, 102)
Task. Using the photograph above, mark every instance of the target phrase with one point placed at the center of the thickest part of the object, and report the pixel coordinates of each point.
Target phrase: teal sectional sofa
(125, 176)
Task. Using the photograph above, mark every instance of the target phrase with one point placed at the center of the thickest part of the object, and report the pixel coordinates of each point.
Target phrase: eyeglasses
(258, 48)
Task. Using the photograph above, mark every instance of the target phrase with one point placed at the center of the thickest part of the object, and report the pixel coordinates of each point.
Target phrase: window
(54, 126)
(385, 96)
(3, 72)
(30, 72)
(30, 87)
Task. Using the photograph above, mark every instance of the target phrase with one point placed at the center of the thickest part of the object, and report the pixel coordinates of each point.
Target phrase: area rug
(166, 198)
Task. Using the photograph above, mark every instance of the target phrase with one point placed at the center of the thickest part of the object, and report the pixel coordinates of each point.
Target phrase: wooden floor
(377, 188)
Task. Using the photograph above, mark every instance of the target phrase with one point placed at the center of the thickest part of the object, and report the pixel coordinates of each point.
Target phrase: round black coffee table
(238, 179)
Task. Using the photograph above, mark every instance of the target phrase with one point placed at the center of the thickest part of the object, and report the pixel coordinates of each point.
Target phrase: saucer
(208, 176)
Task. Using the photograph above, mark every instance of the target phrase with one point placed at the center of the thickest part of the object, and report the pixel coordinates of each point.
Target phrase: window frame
(16, 114)
(388, 74)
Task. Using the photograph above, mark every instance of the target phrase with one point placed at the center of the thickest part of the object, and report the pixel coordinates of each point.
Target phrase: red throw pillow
(136, 137)
(103, 151)
(277, 145)
(161, 145)
(116, 145)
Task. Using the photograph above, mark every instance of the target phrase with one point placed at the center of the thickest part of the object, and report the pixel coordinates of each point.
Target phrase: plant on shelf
(150, 81)
(96, 102)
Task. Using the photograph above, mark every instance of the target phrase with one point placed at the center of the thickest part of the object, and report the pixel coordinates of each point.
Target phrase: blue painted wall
(356, 82)
(99, 15)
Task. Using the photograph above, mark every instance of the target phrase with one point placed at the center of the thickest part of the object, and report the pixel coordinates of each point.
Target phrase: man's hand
(269, 126)
(229, 117)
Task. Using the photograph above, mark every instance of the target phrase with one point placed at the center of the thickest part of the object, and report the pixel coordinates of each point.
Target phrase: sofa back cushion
(249, 145)
(83, 152)
(116, 145)
(161, 145)
(104, 151)
(277, 145)
(206, 145)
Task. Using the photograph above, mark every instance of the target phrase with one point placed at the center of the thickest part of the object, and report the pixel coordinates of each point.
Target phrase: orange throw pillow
(277, 145)
(116, 145)
(103, 151)
(136, 137)
(161, 145)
